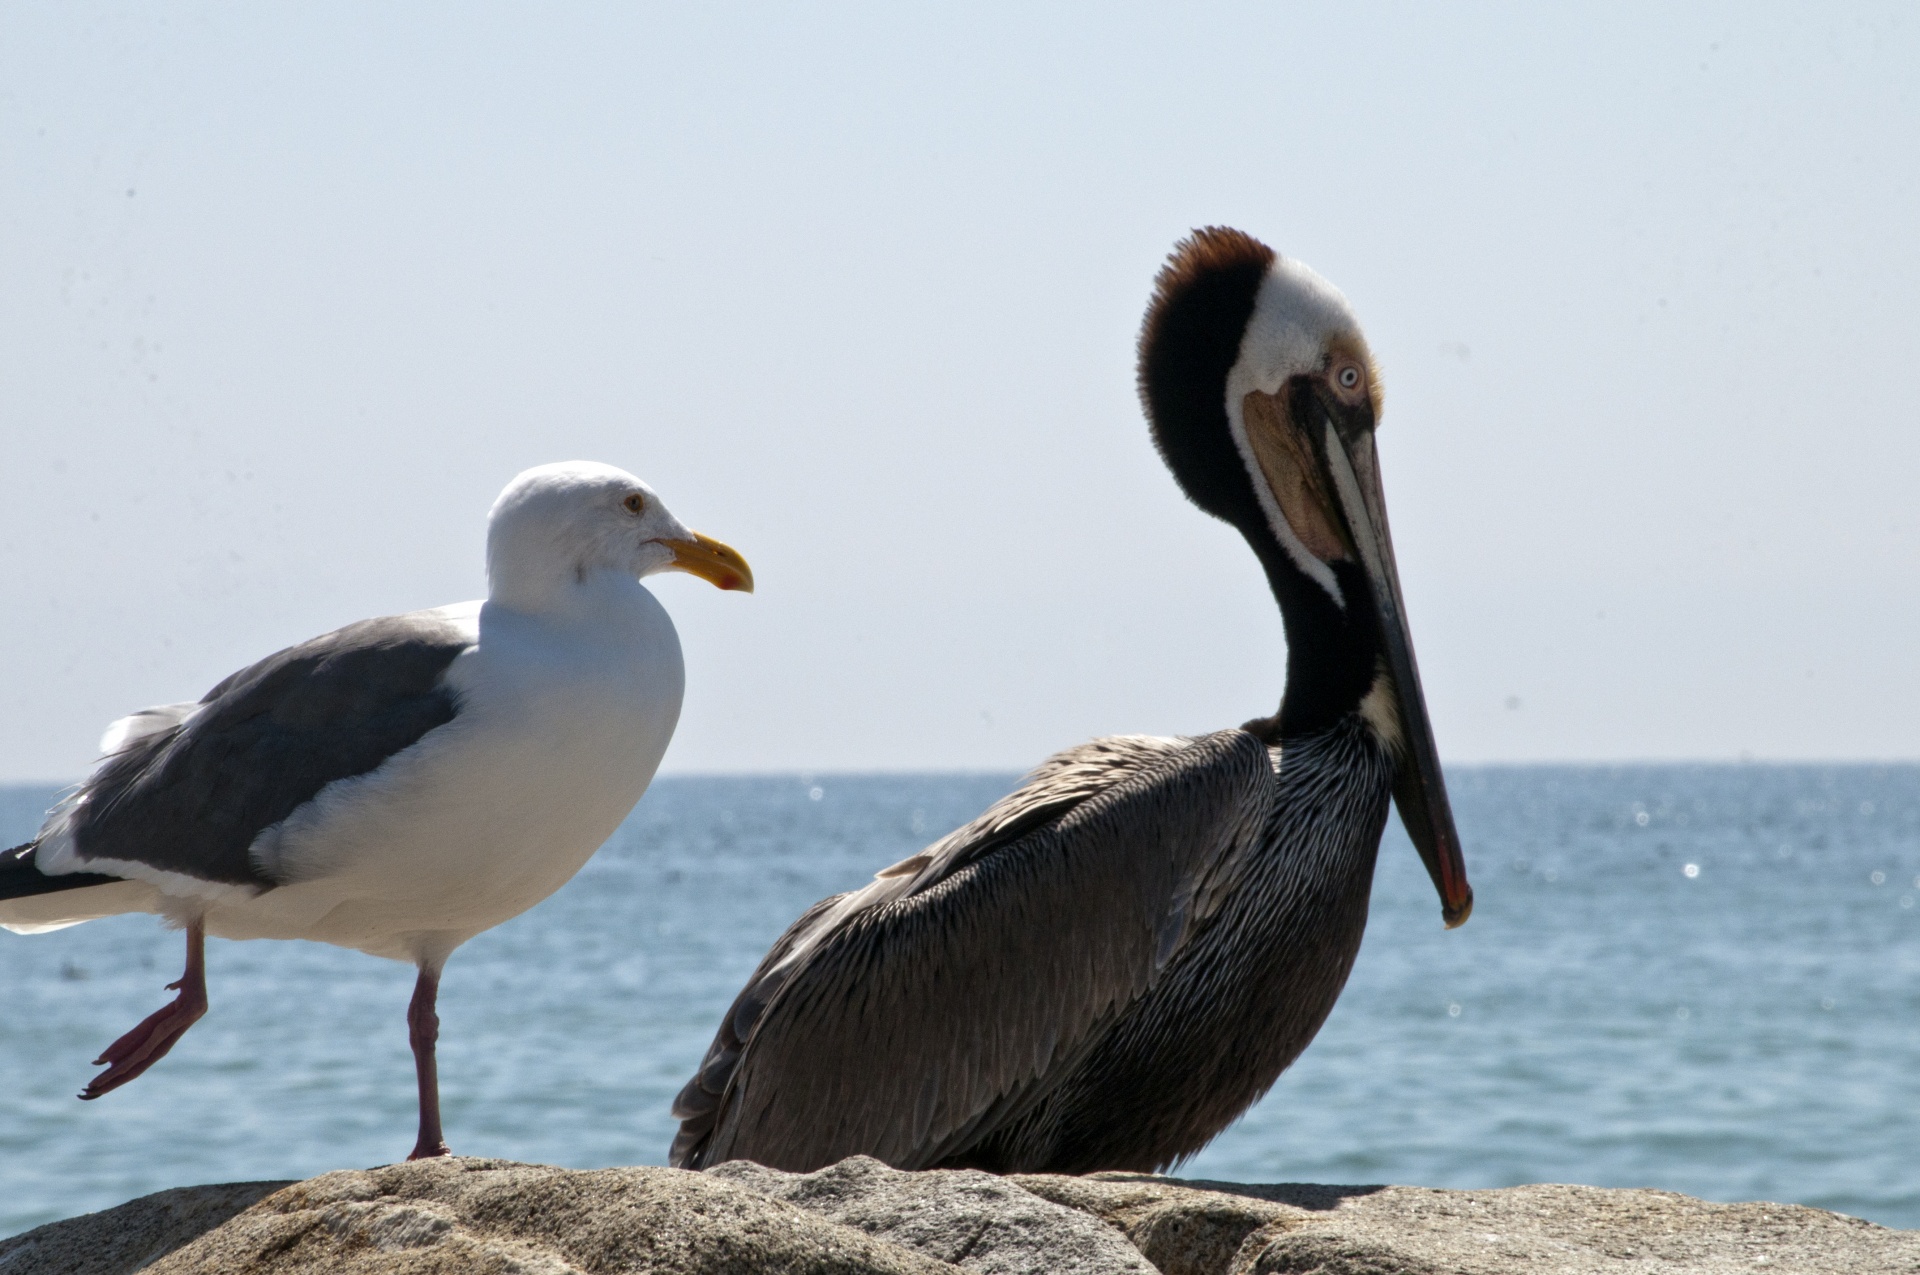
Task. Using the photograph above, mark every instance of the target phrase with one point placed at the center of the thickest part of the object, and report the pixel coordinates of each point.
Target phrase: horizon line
(807, 774)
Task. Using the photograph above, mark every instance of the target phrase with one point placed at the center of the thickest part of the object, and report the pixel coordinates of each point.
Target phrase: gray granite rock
(861, 1218)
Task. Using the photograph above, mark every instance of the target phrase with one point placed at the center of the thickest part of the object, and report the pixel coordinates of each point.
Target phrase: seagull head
(563, 524)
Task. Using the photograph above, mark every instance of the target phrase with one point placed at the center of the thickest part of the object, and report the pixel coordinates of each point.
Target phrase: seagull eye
(636, 503)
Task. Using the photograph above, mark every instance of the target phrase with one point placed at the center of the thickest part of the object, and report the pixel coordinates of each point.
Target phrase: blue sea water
(1701, 978)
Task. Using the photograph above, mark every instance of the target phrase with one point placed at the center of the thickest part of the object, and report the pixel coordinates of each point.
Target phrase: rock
(861, 1218)
(486, 1217)
(127, 1238)
(1578, 1230)
(975, 1221)
(1181, 1229)
(1188, 1228)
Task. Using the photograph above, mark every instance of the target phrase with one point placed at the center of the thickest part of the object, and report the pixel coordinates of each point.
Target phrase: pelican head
(1264, 398)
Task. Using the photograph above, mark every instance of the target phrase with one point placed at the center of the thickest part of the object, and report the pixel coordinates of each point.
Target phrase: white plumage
(402, 784)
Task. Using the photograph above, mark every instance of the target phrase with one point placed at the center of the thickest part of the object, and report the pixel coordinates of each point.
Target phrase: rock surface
(861, 1218)
(975, 1221)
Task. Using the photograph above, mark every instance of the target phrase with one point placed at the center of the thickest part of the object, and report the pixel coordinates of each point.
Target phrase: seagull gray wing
(192, 785)
(909, 1019)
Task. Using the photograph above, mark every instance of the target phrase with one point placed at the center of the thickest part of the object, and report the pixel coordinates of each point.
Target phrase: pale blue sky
(288, 292)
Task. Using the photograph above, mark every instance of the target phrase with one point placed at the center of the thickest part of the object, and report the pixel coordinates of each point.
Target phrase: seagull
(398, 785)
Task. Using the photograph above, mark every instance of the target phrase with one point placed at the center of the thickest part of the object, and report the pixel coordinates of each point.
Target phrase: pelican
(1109, 965)
(398, 785)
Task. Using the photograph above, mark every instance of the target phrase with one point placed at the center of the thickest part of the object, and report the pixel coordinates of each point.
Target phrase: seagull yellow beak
(719, 565)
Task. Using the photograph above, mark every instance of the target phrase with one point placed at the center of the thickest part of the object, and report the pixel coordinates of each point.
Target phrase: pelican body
(398, 785)
(1112, 963)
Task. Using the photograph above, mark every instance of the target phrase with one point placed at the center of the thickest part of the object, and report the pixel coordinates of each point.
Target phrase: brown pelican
(1111, 964)
(401, 784)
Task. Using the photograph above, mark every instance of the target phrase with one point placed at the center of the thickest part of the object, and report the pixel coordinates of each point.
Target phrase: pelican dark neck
(1333, 651)
(1333, 647)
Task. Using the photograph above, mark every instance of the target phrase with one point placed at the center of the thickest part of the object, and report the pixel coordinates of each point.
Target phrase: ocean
(1699, 978)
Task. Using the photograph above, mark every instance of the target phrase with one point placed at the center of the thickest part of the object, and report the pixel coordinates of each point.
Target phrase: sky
(288, 293)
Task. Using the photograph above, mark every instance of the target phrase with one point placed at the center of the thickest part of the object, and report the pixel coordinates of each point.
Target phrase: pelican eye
(1348, 377)
(636, 503)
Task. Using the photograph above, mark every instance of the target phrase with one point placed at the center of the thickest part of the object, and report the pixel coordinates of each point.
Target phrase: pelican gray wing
(905, 1020)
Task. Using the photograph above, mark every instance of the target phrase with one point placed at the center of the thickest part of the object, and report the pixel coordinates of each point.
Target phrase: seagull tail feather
(21, 877)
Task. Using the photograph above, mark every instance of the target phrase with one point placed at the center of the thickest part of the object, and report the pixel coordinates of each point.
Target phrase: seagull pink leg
(423, 1032)
(148, 1043)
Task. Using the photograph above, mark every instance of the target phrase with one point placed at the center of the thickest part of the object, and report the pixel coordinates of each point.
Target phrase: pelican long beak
(719, 565)
(1418, 789)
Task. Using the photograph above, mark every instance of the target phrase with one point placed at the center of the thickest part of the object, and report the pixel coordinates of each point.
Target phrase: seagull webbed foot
(148, 1043)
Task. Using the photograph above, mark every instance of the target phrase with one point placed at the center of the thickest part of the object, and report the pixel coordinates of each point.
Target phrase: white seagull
(398, 785)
